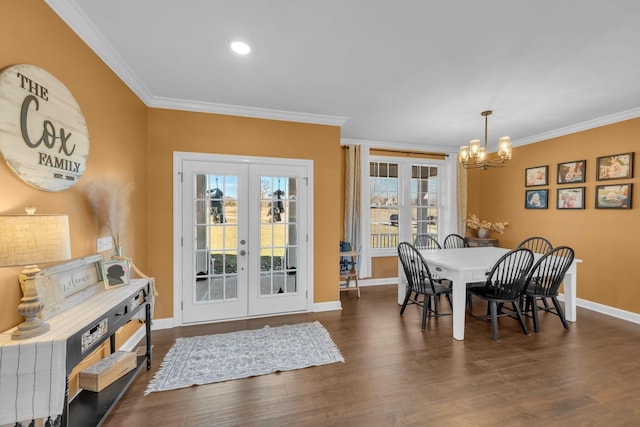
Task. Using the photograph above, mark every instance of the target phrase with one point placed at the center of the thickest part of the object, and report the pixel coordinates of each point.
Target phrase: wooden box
(111, 368)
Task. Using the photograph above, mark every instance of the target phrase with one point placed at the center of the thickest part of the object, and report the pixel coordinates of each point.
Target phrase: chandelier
(475, 157)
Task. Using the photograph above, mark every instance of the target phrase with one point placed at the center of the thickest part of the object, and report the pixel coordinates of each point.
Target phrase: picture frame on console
(115, 273)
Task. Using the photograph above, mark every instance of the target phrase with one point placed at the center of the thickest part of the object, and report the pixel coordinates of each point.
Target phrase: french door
(244, 228)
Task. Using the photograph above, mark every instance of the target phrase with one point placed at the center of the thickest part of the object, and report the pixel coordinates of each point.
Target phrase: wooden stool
(351, 274)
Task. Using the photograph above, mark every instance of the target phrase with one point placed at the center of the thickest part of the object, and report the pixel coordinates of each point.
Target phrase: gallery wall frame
(570, 198)
(615, 166)
(571, 172)
(613, 196)
(536, 199)
(536, 176)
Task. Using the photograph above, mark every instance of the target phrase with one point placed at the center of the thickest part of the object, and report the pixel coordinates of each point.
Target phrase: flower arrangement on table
(475, 223)
(109, 201)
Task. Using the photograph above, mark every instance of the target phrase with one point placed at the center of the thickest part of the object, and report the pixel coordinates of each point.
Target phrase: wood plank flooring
(396, 375)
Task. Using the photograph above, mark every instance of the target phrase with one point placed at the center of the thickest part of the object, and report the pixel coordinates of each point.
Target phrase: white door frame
(178, 158)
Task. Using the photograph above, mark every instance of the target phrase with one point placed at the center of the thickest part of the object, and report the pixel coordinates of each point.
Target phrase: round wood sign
(43, 135)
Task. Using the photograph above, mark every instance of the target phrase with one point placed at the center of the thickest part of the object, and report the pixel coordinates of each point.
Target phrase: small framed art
(537, 176)
(613, 196)
(570, 198)
(570, 172)
(115, 272)
(536, 199)
(617, 166)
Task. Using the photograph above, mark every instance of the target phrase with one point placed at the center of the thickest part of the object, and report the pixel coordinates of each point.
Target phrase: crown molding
(84, 29)
(238, 110)
(579, 127)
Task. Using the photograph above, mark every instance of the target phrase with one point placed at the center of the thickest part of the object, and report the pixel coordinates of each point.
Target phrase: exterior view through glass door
(241, 254)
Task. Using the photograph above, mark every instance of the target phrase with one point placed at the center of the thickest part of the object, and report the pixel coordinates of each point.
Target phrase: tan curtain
(352, 196)
(461, 198)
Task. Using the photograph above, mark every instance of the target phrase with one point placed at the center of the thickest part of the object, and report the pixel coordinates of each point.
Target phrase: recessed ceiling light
(240, 48)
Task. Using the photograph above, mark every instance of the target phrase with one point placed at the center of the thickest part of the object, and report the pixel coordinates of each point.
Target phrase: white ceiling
(409, 73)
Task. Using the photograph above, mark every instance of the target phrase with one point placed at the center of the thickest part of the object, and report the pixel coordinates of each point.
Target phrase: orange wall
(33, 34)
(604, 239)
(171, 131)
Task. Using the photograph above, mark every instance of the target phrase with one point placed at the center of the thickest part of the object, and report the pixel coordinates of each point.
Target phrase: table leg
(459, 299)
(570, 284)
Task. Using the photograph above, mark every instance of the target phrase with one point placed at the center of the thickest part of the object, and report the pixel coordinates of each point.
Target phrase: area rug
(222, 357)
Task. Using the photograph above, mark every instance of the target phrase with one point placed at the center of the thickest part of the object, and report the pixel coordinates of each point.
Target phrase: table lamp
(27, 240)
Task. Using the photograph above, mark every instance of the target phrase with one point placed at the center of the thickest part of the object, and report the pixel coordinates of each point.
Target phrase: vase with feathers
(109, 200)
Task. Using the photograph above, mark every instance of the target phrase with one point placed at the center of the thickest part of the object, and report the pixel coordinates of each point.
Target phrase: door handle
(243, 252)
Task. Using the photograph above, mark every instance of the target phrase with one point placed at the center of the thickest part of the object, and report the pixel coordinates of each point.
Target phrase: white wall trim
(606, 310)
(375, 282)
(327, 306)
(243, 111)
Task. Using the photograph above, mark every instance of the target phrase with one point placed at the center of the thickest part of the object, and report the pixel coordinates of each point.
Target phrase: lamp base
(29, 329)
(30, 307)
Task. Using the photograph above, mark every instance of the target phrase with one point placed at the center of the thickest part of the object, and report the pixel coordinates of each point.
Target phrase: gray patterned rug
(215, 358)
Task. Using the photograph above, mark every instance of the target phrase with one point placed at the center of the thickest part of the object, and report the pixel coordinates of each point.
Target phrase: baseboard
(605, 309)
(376, 282)
(168, 323)
(326, 306)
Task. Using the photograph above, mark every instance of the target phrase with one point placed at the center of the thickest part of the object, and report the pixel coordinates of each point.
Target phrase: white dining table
(465, 265)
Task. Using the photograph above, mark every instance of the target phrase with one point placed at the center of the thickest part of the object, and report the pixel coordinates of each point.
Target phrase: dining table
(467, 265)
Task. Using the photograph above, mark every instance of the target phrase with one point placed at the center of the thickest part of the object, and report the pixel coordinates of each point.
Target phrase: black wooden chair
(536, 244)
(504, 284)
(543, 282)
(420, 282)
(453, 241)
(426, 241)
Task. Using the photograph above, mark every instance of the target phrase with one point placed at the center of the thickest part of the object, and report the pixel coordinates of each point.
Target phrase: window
(383, 205)
(391, 219)
(424, 200)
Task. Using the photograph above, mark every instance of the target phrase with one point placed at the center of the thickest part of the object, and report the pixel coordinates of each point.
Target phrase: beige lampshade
(33, 239)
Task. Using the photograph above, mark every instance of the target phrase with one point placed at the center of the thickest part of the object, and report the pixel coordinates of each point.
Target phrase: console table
(480, 243)
(34, 373)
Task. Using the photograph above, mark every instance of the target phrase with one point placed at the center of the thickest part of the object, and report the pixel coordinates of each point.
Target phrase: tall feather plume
(109, 202)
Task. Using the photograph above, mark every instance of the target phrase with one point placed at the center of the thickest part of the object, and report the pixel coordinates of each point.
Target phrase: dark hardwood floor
(396, 375)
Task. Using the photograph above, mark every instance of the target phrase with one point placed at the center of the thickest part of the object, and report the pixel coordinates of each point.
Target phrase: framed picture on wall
(613, 196)
(570, 172)
(570, 198)
(536, 199)
(537, 176)
(617, 166)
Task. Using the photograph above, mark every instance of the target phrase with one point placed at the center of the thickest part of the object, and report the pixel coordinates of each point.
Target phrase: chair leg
(560, 312)
(534, 312)
(494, 319)
(357, 285)
(425, 310)
(449, 299)
(407, 295)
(517, 309)
(436, 305)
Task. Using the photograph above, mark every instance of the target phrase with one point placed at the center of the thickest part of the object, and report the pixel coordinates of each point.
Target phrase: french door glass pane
(278, 235)
(216, 237)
